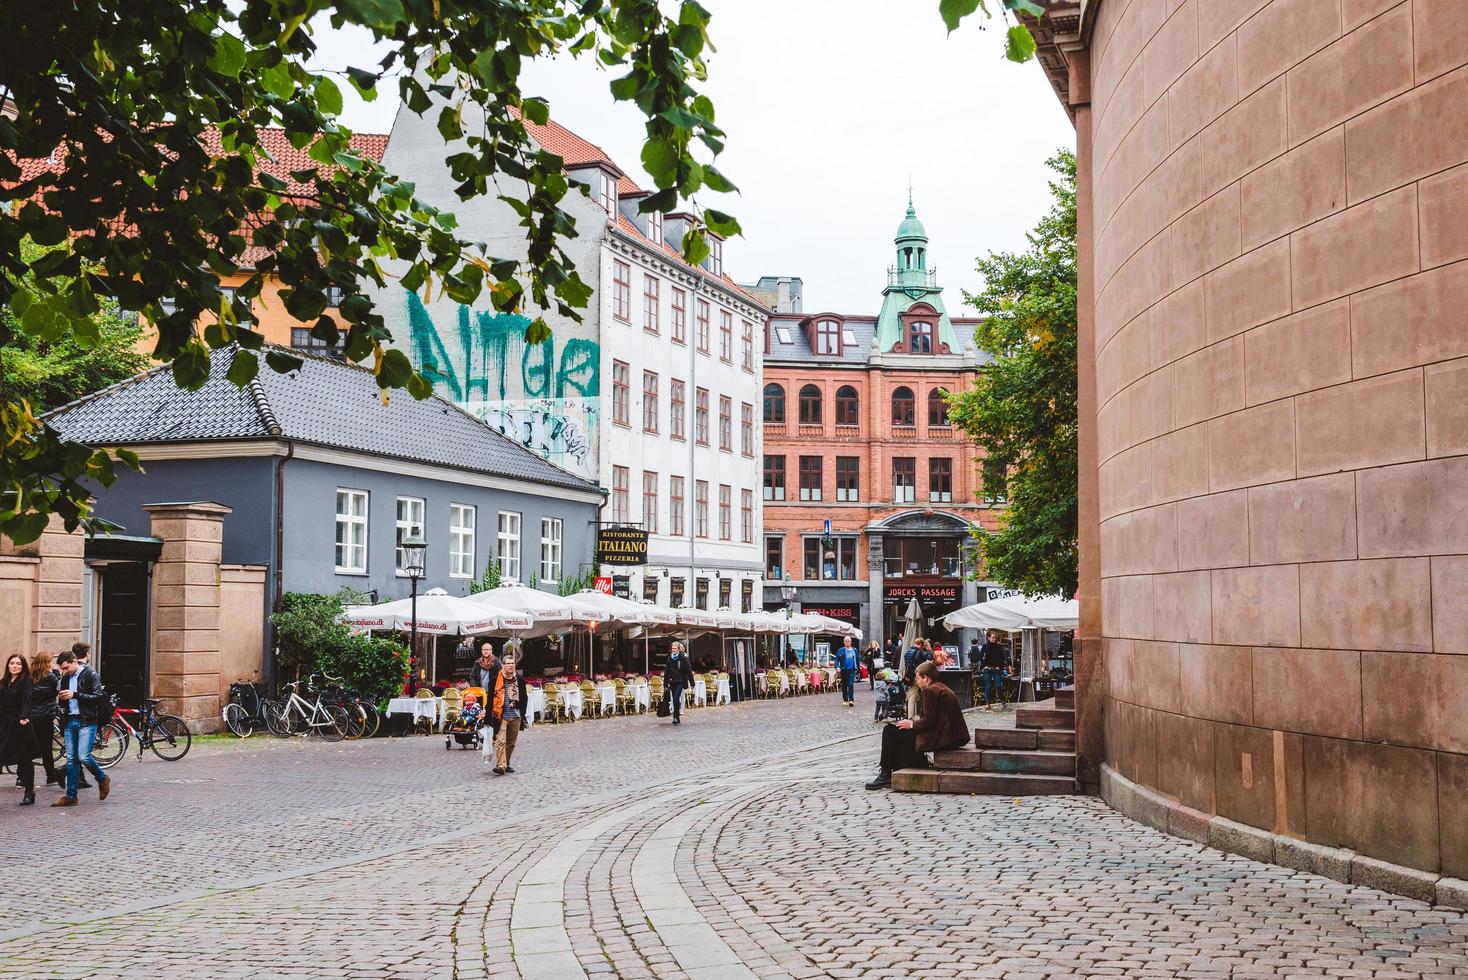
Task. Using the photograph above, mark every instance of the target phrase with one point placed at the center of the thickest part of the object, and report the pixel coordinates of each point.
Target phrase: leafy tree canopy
(1022, 411)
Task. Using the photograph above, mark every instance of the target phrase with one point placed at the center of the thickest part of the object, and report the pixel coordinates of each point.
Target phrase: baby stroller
(465, 728)
(896, 705)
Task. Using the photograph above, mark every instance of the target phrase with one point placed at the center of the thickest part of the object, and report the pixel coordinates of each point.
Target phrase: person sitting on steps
(937, 727)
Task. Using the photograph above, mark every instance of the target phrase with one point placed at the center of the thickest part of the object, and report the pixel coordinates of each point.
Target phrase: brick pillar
(58, 620)
(186, 599)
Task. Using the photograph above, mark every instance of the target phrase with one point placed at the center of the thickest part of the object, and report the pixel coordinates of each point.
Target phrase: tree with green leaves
(1022, 409)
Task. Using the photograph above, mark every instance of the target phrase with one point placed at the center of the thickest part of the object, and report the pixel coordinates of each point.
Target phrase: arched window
(774, 403)
(904, 408)
(938, 408)
(920, 337)
(847, 406)
(810, 405)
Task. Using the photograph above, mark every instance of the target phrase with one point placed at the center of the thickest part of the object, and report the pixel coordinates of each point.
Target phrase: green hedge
(309, 640)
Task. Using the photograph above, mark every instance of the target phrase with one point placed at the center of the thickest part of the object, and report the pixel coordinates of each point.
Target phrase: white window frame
(405, 525)
(352, 521)
(461, 540)
(508, 540)
(551, 538)
(655, 227)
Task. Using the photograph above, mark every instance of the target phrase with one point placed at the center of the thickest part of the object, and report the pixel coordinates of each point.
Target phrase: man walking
(83, 652)
(80, 696)
(506, 713)
(485, 669)
(846, 662)
(938, 726)
(994, 661)
(677, 677)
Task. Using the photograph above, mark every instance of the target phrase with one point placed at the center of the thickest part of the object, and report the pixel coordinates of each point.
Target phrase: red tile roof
(577, 152)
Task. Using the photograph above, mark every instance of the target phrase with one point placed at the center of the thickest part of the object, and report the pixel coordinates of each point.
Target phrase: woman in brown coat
(937, 727)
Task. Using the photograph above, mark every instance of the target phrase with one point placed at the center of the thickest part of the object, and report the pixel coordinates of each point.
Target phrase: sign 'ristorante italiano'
(621, 546)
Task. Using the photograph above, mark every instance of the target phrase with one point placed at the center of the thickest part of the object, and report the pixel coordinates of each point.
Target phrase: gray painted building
(323, 479)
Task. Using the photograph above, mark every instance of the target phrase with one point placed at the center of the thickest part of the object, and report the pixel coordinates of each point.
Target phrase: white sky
(829, 105)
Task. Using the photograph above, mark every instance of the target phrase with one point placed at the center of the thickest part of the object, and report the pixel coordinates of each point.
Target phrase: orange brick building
(856, 433)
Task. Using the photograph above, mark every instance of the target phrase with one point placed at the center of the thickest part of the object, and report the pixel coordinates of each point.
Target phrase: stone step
(1066, 697)
(1006, 738)
(1044, 714)
(980, 783)
(1007, 760)
(1055, 740)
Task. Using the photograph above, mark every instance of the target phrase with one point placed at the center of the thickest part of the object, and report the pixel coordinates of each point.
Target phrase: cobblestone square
(740, 844)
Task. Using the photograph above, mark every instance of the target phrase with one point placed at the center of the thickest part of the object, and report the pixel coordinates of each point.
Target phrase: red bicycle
(167, 735)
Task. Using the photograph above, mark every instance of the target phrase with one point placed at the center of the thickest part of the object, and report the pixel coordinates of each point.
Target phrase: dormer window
(920, 337)
(715, 262)
(607, 193)
(828, 337)
(655, 227)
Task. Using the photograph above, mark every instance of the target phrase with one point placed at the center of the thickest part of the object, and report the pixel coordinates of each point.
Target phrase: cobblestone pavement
(740, 844)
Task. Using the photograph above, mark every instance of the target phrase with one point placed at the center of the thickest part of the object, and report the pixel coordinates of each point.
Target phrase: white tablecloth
(430, 710)
(608, 704)
(571, 701)
(641, 696)
(722, 697)
(700, 691)
(536, 706)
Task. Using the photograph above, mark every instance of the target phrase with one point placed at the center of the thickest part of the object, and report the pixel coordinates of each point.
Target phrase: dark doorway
(122, 631)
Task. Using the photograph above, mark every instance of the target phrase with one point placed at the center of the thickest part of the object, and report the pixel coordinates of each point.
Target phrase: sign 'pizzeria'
(621, 546)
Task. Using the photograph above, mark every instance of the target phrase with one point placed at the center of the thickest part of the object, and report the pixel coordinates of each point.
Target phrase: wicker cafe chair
(625, 696)
(654, 692)
(590, 699)
(423, 692)
(552, 701)
(453, 703)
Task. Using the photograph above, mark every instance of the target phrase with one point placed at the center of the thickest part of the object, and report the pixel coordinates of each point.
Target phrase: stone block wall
(186, 665)
(1277, 242)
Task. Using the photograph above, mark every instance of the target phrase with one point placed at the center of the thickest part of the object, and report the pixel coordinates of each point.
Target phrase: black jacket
(88, 696)
(679, 671)
(43, 697)
(16, 742)
(994, 656)
(479, 677)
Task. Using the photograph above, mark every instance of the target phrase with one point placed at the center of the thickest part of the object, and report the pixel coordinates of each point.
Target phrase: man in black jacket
(82, 707)
(677, 677)
(485, 670)
(994, 661)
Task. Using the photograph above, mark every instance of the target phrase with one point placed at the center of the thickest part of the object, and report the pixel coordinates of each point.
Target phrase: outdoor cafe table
(722, 697)
(700, 691)
(641, 696)
(431, 710)
(535, 706)
(571, 701)
(607, 692)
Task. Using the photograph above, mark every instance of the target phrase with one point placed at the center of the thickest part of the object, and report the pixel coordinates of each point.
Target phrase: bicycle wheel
(238, 721)
(334, 727)
(374, 719)
(171, 737)
(356, 719)
(110, 745)
(276, 720)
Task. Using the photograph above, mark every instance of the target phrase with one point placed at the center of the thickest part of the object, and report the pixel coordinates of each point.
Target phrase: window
(924, 556)
(701, 593)
(509, 546)
(701, 508)
(726, 502)
(649, 401)
(746, 429)
(619, 495)
(903, 408)
(746, 335)
(677, 409)
(940, 479)
(650, 501)
(784, 334)
(334, 296)
(920, 337)
(303, 339)
(351, 532)
(810, 478)
(232, 294)
(702, 326)
(701, 416)
(461, 541)
(621, 291)
(828, 337)
(938, 408)
(621, 392)
(746, 516)
(651, 296)
(680, 316)
(649, 588)
(774, 477)
(810, 405)
(848, 406)
(655, 227)
(410, 521)
(726, 588)
(715, 262)
(836, 562)
(726, 423)
(774, 557)
(550, 549)
(607, 193)
(677, 588)
(848, 477)
(726, 336)
(904, 479)
(774, 404)
(675, 505)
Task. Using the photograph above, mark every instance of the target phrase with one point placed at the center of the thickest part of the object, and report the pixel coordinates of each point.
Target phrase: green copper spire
(910, 281)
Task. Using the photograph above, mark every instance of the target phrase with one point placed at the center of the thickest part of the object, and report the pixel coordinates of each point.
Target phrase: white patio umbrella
(603, 608)
(439, 614)
(1013, 613)
(914, 618)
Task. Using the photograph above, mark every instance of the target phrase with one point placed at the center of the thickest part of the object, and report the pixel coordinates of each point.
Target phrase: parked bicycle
(245, 713)
(294, 715)
(167, 735)
(362, 717)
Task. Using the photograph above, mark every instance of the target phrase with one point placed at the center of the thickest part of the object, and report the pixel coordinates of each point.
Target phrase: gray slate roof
(326, 403)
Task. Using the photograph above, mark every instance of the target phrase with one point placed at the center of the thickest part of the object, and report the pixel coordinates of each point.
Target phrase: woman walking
(44, 681)
(17, 746)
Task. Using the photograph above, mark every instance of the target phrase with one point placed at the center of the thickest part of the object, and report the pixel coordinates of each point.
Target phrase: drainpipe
(268, 673)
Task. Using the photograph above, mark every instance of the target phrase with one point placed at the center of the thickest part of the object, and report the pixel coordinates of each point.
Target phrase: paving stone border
(1159, 812)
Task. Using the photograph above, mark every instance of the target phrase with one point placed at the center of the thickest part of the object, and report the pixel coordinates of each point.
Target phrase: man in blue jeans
(80, 697)
(847, 659)
(994, 659)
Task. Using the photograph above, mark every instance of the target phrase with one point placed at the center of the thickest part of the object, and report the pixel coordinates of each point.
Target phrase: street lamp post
(414, 549)
(790, 592)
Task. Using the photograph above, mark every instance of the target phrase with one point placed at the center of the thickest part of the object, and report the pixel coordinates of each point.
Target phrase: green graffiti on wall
(486, 345)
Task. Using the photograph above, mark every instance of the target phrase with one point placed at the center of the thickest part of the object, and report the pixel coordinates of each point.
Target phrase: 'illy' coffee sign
(621, 546)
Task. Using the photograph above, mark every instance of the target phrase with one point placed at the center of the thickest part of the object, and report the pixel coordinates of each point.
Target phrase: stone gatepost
(41, 591)
(186, 596)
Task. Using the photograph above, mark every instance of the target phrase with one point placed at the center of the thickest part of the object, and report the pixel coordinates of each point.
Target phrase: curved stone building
(1274, 381)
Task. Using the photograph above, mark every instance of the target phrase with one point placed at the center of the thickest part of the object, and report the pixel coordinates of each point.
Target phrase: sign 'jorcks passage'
(621, 546)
